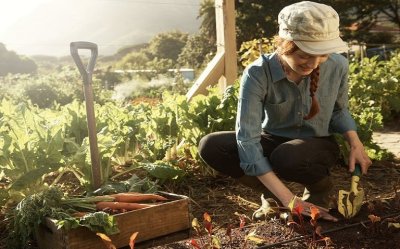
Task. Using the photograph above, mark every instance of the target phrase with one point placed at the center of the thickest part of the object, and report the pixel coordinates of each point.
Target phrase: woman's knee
(219, 151)
(282, 159)
(302, 162)
(205, 145)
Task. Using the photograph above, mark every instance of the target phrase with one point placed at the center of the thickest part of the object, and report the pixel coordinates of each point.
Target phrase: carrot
(135, 197)
(79, 214)
(102, 205)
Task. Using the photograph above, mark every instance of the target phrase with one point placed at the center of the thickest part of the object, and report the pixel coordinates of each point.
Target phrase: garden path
(389, 140)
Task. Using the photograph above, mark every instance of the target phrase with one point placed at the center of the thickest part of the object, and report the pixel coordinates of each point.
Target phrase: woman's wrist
(276, 186)
(289, 202)
(352, 139)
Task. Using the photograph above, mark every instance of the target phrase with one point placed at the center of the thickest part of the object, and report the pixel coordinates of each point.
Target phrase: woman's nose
(313, 62)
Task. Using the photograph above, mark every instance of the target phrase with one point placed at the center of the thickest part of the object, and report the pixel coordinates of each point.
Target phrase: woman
(290, 104)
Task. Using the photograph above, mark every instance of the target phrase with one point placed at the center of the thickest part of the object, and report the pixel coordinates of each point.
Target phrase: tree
(358, 17)
(196, 51)
(257, 19)
(10, 62)
(208, 22)
(168, 45)
(367, 12)
(134, 60)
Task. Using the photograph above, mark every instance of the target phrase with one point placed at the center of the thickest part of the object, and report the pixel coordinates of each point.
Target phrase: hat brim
(323, 47)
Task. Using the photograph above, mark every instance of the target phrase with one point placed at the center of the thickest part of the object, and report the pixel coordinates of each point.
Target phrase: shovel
(350, 202)
(88, 90)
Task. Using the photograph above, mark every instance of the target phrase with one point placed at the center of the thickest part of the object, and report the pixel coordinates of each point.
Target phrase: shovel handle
(88, 91)
(357, 170)
(86, 73)
(355, 178)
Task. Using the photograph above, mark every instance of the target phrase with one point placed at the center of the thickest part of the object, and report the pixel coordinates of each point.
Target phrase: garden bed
(378, 231)
(225, 201)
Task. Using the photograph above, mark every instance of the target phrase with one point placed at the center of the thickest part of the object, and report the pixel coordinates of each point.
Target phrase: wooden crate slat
(153, 222)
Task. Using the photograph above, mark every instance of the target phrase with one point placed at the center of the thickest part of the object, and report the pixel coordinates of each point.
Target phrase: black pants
(304, 161)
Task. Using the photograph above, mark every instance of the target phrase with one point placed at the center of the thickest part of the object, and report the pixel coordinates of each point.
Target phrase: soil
(226, 201)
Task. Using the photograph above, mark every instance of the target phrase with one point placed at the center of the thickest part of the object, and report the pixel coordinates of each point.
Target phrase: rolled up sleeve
(341, 120)
(248, 123)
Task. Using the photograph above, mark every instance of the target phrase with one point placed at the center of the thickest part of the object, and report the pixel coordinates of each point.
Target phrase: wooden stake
(222, 69)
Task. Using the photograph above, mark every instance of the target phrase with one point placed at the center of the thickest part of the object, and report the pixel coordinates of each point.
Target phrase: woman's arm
(343, 123)
(357, 152)
(248, 120)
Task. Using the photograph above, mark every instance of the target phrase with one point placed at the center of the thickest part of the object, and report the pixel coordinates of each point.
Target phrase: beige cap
(313, 27)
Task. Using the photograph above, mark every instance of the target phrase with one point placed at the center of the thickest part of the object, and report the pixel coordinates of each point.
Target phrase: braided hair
(285, 47)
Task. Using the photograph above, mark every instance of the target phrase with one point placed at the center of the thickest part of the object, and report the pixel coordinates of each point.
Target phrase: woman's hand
(357, 153)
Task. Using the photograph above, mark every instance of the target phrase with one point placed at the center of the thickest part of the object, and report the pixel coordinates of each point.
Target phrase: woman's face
(302, 63)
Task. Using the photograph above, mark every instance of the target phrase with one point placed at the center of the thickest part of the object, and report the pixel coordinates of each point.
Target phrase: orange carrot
(102, 205)
(135, 197)
(79, 214)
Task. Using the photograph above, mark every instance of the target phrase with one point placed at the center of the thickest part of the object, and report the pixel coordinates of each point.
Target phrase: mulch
(225, 201)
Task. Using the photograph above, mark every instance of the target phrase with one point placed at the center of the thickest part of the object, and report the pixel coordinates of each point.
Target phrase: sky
(46, 27)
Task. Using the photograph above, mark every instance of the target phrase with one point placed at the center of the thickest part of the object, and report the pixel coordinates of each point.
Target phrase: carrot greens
(52, 203)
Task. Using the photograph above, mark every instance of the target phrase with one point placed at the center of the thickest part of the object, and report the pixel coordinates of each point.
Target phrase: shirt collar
(277, 72)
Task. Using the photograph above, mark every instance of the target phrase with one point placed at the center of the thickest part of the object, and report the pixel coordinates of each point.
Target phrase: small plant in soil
(317, 229)
(317, 236)
(208, 238)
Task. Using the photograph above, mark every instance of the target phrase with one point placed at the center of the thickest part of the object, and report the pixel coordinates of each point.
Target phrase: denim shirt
(269, 102)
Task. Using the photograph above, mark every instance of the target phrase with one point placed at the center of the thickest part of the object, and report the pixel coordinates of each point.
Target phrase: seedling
(315, 215)
(268, 207)
(213, 241)
(374, 225)
(107, 241)
(296, 210)
(317, 229)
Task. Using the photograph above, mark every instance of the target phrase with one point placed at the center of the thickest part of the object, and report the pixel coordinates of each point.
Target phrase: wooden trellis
(222, 69)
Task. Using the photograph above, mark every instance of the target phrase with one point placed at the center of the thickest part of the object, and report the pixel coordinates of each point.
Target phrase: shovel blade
(350, 202)
(343, 206)
(357, 202)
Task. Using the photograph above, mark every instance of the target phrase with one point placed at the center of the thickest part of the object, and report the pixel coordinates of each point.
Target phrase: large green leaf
(163, 171)
(31, 178)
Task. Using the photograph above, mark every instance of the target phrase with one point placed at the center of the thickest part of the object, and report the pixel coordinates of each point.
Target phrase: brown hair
(285, 47)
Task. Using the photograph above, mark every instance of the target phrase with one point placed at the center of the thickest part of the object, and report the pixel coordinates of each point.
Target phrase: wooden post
(222, 69)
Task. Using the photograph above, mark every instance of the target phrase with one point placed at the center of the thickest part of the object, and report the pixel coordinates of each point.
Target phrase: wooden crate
(158, 221)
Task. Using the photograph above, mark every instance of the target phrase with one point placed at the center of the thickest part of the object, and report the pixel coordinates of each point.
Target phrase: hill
(112, 24)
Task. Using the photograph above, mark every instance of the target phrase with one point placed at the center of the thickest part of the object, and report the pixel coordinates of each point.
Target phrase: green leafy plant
(252, 50)
(374, 98)
(31, 147)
